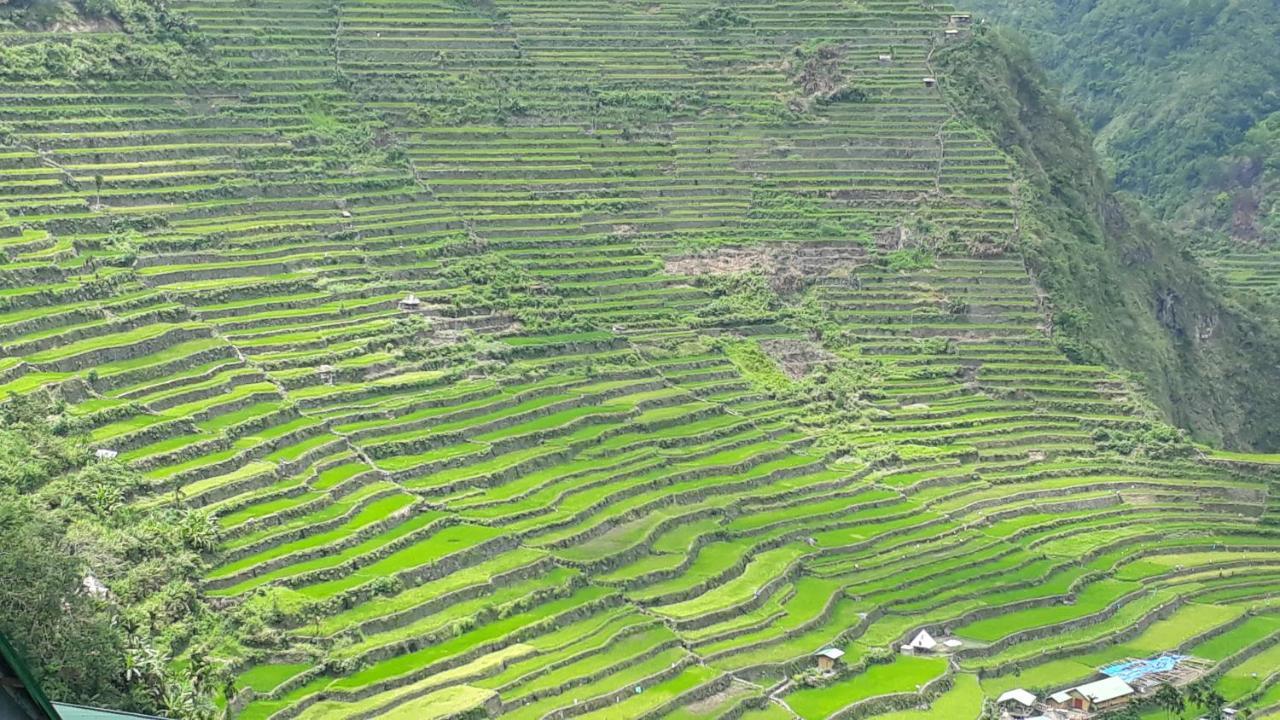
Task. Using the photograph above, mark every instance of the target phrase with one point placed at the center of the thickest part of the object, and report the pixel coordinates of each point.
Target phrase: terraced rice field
(602, 504)
(1256, 273)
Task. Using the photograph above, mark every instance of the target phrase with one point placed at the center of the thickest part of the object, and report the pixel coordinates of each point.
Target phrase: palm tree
(1170, 699)
(1196, 692)
(1214, 702)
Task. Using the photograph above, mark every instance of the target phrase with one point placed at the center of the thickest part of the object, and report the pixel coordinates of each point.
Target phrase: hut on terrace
(327, 373)
(922, 643)
(1017, 704)
(411, 303)
(930, 82)
(1096, 697)
(1060, 700)
(828, 658)
(1107, 694)
(105, 454)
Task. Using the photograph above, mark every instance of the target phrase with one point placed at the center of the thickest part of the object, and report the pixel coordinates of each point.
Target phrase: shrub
(908, 259)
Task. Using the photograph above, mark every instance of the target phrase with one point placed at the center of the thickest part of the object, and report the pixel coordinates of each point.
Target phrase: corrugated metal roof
(1104, 690)
(1019, 695)
(78, 712)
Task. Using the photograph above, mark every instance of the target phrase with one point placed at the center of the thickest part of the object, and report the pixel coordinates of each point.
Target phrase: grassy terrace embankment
(600, 473)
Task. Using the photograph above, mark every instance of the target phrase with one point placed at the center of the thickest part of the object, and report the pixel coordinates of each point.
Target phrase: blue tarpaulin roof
(1134, 669)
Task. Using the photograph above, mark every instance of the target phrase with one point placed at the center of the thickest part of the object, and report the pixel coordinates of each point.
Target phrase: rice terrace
(546, 360)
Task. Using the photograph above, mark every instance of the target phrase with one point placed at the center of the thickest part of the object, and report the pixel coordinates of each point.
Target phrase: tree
(1213, 703)
(1170, 699)
(65, 517)
(67, 635)
(1196, 692)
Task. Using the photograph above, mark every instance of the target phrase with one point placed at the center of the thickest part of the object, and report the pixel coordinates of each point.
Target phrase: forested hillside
(1122, 288)
(1183, 101)
(436, 359)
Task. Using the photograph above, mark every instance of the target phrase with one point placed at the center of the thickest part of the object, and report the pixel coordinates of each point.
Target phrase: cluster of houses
(1082, 701)
(957, 23)
(1124, 682)
(828, 658)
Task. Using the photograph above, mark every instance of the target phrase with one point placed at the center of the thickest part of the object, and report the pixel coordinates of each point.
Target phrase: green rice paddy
(672, 414)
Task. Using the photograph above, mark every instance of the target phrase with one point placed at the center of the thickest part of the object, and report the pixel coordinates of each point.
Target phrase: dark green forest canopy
(109, 40)
(1181, 102)
(68, 529)
(1182, 96)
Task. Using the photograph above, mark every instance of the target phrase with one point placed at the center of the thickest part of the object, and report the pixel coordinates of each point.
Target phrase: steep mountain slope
(576, 360)
(1168, 88)
(1183, 101)
(1122, 288)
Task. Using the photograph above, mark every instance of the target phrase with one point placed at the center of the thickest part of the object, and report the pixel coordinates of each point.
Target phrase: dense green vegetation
(1121, 287)
(445, 359)
(1172, 92)
(1182, 102)
(114, 40)
(69, 532)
